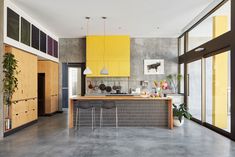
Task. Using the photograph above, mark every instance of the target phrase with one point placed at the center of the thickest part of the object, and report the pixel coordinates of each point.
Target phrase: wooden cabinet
(27, 76)
(51, 71)
(116, 57)
(25, 97)
(24, 111)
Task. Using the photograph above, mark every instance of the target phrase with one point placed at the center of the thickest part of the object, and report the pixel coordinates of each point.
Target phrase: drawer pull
(17, 114)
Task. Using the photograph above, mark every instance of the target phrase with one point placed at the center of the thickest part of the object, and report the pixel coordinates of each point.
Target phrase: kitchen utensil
(102, 87)
(90, 86)
(114, 86)
(96, 87)
(108, 89)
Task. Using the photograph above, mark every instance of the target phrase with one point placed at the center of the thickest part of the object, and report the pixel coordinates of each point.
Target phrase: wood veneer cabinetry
(24, 107)
(51, 84)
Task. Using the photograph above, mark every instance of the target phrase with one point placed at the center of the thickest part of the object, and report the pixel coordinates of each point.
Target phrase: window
(213, 26)
(43, 41)
(35, 37)
(218, 89)
(182, 81)
(13, 22)
(181, 46)
(194, 89)
(25, 31)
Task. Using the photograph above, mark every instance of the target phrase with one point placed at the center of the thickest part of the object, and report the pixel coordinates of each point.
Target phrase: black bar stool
(85, 106)
(108, 105)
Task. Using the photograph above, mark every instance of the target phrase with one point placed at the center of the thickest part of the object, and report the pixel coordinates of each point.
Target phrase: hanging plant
(10, 82)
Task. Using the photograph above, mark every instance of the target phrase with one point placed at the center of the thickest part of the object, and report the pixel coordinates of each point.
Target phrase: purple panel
(49, 45)
(55, 49)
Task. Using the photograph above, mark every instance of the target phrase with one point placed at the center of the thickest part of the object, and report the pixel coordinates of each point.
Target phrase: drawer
(32, 104)
(19, 107)
(19, 119)
(32, 115)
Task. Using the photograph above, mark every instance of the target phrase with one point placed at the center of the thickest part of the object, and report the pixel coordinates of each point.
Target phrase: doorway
(73, 81)
(41, 94)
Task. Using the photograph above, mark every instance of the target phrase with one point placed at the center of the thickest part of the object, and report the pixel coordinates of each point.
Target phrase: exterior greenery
(174, 80)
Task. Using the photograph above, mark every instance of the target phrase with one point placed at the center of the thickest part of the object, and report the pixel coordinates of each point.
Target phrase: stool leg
(116, 117)
(79, 115)
(76, 121)
(92, 118)
(101, 116)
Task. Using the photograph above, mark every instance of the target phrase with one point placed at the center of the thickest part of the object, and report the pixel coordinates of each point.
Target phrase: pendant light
(87, 71)
(104, 71)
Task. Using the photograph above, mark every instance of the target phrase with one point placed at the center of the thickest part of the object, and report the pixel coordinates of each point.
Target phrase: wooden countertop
(117, 98)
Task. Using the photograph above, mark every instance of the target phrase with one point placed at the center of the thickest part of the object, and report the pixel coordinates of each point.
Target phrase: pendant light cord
(104, 40)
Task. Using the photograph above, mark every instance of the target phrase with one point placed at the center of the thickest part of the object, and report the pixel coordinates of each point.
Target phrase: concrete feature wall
(72, 50)
(152, 48)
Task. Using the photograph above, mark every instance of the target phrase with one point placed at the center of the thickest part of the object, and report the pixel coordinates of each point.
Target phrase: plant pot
(177, 123)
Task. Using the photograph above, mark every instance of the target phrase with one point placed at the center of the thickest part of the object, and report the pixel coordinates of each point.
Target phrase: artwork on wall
(153, 66)
(13, 22)
(25, 31)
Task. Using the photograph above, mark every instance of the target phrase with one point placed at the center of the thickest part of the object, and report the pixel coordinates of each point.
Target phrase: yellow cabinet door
(124, 68)
(94, 47)
(117, 48)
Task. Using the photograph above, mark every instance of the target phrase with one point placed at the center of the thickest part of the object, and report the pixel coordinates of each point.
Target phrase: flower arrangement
(160, 87)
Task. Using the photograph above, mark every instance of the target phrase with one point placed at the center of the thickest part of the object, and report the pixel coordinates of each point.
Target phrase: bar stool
(85, 106)
(108, 105)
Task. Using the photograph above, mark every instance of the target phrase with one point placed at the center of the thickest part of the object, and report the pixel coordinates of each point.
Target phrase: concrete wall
(1, 68)
(72, 50)
(141, 49)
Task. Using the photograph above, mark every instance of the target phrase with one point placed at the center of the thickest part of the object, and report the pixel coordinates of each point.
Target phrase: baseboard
(10, 132)
(52, 114)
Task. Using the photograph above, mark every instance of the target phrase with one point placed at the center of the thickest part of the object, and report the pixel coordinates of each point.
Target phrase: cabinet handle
(17, 114)
(26, 111)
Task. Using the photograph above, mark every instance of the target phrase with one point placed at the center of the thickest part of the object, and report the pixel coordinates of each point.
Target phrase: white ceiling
(137, 18)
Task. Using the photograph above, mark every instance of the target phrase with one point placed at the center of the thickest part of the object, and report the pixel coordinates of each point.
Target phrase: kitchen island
(133, 111)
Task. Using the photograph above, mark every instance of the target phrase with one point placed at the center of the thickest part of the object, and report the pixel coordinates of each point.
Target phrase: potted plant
(174, 80)
(10, 83)
(179, 113)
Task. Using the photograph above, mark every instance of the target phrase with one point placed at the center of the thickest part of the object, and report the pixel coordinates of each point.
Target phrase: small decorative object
(160, 87)
(174, 80)
(153, 66)
(179, 114)
(10, 83)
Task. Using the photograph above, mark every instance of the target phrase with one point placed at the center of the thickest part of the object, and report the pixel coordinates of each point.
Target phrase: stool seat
(84, 106)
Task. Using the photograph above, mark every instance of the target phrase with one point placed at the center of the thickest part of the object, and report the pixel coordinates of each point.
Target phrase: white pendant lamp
(87, 71)
(104, 70)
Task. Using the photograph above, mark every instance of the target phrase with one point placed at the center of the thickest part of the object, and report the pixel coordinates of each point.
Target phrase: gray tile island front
(132, 110)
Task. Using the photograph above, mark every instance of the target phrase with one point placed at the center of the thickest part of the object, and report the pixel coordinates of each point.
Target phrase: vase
(177, 122)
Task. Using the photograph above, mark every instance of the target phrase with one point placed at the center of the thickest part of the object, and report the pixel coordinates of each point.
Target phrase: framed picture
(153, 66)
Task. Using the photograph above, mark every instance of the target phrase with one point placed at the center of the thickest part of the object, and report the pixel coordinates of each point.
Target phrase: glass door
(218, 91)
(194, 89)
(74, 81)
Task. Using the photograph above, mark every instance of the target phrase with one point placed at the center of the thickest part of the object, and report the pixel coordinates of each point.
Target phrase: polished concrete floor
(51, 138)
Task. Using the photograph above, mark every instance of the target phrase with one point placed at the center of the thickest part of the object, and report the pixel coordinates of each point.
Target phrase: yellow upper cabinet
(116, 56)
